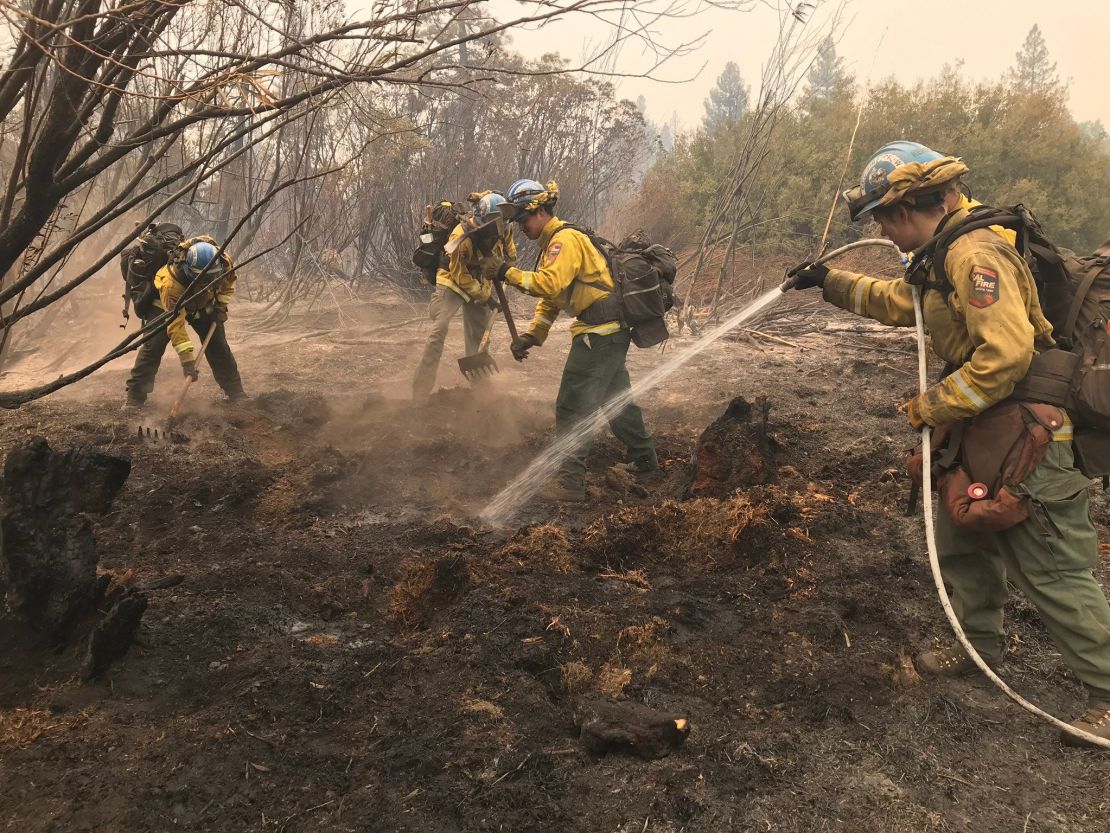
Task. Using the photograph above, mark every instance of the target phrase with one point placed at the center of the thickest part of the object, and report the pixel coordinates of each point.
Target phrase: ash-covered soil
(351, 650)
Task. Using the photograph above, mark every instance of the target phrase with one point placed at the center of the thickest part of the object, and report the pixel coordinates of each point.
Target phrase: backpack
(643, 274)
(438, 224)
(1074, 293)
(139, 264)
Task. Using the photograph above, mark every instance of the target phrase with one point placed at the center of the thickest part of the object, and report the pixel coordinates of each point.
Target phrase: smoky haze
(878, 40)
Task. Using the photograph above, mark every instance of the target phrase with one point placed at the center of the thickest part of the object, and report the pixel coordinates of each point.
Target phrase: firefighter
(572, 275)
(460, 286)
(985, 320)
(205, 304)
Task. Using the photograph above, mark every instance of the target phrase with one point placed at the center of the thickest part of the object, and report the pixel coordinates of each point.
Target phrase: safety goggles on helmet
(525, 195)
(875, 182)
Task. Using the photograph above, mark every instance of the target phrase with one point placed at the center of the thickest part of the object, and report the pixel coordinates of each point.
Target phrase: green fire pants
(1049, 557)
(595, 372)
(218, 357)
(444, 305)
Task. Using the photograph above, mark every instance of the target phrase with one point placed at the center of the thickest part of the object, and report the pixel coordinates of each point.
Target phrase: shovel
(481, 364)
(167, 432)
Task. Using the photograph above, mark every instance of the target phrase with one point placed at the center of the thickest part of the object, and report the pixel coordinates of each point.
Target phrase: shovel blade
(478, 366)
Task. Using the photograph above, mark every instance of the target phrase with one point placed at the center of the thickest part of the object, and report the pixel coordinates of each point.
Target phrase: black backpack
(139, 264)
(1074, 293)
(436, 230)
(643, 274)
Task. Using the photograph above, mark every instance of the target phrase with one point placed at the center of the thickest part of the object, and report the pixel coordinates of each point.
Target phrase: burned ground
(351, 650)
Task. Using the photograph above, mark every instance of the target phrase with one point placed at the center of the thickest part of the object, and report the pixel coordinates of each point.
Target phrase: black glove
(190, 370)
(493, 304)
(219, 312)
(522, 345)
(807, 275)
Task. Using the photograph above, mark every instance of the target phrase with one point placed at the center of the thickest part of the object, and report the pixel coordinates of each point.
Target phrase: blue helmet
(197, 259)
(874, 183)
(524, 194)
(488, 207)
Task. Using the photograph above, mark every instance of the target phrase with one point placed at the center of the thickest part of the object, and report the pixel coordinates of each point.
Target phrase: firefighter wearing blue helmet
(572, 276)
(460, 286)
(202, 275)
(1015, 508)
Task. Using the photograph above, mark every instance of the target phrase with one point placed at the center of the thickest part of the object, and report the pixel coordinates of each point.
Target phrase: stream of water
(547, 463)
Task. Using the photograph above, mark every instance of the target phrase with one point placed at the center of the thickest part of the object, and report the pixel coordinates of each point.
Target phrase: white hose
(934, 560)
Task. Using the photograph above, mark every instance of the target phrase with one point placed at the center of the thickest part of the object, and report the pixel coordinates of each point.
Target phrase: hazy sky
(881, 38)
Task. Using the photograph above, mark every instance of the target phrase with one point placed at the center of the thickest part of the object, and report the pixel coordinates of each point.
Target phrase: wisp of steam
(532, 479)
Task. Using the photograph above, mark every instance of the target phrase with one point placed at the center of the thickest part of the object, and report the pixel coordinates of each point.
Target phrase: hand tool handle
(500, 289)
(189, 379)
(483, 345)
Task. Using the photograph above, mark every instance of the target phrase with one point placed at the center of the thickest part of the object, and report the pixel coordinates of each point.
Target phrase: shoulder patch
(984, 287)
(553, 251)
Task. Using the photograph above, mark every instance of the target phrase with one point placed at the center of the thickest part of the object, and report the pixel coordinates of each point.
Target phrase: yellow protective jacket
(171, 287)
(988, 326)
(571, 275)
(463, 274)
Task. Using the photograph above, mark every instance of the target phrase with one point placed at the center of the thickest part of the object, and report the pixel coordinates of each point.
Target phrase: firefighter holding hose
(1015, 506)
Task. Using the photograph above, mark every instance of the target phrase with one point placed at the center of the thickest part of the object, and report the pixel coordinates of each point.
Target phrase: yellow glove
(912, 410)
(493, 268)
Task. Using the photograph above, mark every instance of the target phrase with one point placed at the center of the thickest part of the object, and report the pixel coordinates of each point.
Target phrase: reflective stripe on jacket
(170, 290)
(463, 273)
(989, 331)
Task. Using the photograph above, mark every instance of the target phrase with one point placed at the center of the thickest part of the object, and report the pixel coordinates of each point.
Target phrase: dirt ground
(351, 650)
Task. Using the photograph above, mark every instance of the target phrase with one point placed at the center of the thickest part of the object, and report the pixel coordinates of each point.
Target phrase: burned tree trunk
(48, 554)
(735, 452)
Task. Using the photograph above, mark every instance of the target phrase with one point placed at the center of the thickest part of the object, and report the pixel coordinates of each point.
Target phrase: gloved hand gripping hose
(934, 560)
(789, 283)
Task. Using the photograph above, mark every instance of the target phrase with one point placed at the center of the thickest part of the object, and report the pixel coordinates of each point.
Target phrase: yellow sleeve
(987, 293)
(546, 313)
(458, 271)
(510, 248)
(171, 291)
(888, 302)
(226, 288)
(562, 261)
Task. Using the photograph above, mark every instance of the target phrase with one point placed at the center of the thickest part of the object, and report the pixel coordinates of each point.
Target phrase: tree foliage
(728, 100)
(1022, 145)
(1034, 71)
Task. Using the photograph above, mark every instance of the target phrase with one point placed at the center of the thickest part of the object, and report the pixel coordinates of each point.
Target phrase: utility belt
(980, 463)
(602, 311)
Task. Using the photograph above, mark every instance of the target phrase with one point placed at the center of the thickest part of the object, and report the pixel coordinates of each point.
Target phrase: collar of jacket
(553, 225)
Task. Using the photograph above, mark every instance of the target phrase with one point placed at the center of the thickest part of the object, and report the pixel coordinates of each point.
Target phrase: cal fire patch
(553, 251)
(984, 287)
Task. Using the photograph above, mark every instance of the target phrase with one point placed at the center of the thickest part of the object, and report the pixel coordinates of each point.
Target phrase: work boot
(949, 661)
(1096, 721)
(558, 492)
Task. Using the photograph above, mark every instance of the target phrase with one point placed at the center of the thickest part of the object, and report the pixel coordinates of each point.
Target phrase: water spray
(525, 485)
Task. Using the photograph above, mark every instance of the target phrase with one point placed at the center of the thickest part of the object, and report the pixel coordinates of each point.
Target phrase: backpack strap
(1080, 295)
(978, 218)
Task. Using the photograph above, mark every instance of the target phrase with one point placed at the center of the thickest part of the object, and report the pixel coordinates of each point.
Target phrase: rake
(480, 365)
(166, 433)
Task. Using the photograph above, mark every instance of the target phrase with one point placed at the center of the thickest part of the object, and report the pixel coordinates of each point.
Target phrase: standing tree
(1033, 71)
(728, 101)
(827, 77)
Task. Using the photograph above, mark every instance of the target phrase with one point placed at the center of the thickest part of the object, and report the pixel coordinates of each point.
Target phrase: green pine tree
(1033, 70)
(728, 101)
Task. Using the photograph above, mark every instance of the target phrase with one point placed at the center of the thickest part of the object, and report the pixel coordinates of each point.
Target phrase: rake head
(477, 367)
(161, 435)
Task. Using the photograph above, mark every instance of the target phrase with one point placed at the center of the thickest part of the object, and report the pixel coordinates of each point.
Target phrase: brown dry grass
(701, 533)
(542, 545)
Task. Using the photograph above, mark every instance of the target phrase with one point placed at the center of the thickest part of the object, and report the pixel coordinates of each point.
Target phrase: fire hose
(930, 532)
